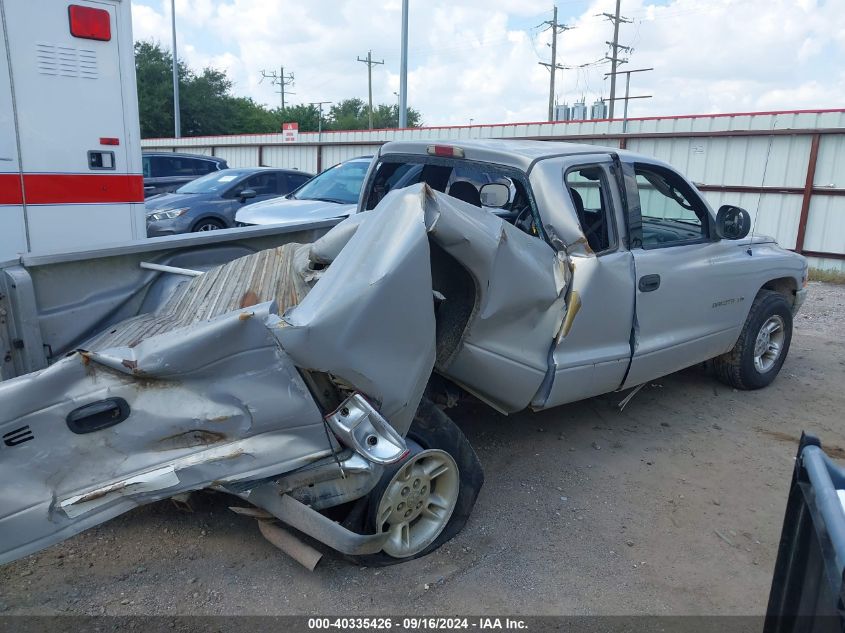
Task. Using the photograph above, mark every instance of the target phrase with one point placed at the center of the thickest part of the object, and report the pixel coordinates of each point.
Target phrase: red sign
(290, 132)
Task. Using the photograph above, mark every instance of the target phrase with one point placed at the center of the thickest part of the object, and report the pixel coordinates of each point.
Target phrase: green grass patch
(827, 276)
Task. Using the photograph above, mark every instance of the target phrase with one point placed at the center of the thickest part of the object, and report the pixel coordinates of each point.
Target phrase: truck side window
(588, 187)
(461, 179)
(671, 212)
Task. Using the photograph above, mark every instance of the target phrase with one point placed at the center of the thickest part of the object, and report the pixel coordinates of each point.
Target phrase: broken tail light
(360, 427)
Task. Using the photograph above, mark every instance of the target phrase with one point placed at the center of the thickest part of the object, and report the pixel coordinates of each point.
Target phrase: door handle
(649, 283)
(98, 415)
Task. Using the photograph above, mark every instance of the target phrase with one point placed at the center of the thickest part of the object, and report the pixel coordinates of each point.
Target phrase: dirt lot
(673, 506)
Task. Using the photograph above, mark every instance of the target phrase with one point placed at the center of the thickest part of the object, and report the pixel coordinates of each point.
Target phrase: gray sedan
(332, 194)
(211, 201)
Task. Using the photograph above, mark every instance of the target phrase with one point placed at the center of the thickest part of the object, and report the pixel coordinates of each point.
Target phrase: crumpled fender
(369, 320)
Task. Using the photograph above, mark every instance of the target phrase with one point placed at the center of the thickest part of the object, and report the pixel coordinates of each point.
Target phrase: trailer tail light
(88, 23)
(108, 140)
(445, 150)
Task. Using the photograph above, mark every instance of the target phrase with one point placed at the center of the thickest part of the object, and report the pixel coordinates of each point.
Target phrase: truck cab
(655, 285)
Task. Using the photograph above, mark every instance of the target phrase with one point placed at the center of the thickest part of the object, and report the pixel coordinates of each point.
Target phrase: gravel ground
(672, 506)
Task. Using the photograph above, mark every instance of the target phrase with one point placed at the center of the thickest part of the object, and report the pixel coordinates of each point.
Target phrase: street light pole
(177, 124)
(403, 69)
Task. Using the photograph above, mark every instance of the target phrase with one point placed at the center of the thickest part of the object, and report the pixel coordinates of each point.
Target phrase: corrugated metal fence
(786, 168)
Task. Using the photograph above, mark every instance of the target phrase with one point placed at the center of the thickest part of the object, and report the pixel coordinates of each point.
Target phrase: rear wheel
(207, 225)
(426, 499)
(763, 344)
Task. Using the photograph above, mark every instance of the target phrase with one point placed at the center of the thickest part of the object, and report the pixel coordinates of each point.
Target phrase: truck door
(12, 225)
(501, 288)
(593, 348)
(690, 295)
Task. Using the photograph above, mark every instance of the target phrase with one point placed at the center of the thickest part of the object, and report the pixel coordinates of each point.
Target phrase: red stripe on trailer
(83, 188)
(10, 189)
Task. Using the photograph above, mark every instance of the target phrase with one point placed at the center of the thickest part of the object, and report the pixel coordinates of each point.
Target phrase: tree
(208, 107)
(155, 92)
(351, 114)
(387, 116)
(306, 115)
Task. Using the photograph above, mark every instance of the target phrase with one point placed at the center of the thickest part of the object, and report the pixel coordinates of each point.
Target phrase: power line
(615, 61)
(370, 63)
(553, 66)
(279, 79)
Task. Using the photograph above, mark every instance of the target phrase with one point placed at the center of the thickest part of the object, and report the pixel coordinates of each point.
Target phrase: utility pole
(553, 66)
(319, 105)
(615, 62)
(177, 122)
(370, 63)
(279, 79)
(403, 69)
(627, 96)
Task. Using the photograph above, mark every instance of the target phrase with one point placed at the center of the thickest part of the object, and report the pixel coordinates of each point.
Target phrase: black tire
(737, 367)
(207, 222)
(431, 429)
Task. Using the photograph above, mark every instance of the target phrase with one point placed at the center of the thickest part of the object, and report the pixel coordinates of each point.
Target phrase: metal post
(319, 105)
(808, 192)
(403, 69)
(370, 86)
(553, 67)
(627, 91)
(615, 60)
(370, 63)
(177, 124)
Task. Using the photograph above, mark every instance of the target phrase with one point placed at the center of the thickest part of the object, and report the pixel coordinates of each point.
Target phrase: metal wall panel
(826, 225)
(773, 214)
(827, 263)
(239, 156)
(204, 150)
(291, 156)
(740, 160)
(334, 154)
(830, 167)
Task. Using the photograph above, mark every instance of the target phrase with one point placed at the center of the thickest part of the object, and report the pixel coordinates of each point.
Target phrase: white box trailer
(70, 154)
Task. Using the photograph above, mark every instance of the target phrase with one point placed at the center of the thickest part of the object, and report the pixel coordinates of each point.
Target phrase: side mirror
(732, 223)
(246, 194)
(494, 194)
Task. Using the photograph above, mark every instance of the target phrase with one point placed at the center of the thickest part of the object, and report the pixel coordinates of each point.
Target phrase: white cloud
(478, 58)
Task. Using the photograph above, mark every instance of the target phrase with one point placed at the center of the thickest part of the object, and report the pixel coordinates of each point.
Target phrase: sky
(477, 60)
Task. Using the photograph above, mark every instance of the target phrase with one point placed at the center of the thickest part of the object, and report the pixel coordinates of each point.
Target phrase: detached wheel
(207, 225)
(763, 344)
(426, 499)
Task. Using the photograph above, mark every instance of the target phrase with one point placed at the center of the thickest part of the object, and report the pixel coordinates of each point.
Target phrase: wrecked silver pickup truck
(302, 375)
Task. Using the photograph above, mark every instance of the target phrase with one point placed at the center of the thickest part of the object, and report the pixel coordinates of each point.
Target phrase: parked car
(331, 194)
(310, 378)
(167, 171)
(211, 201)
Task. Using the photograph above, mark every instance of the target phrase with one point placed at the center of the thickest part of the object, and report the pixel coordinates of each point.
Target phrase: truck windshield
(213, 182)
(341, 183)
